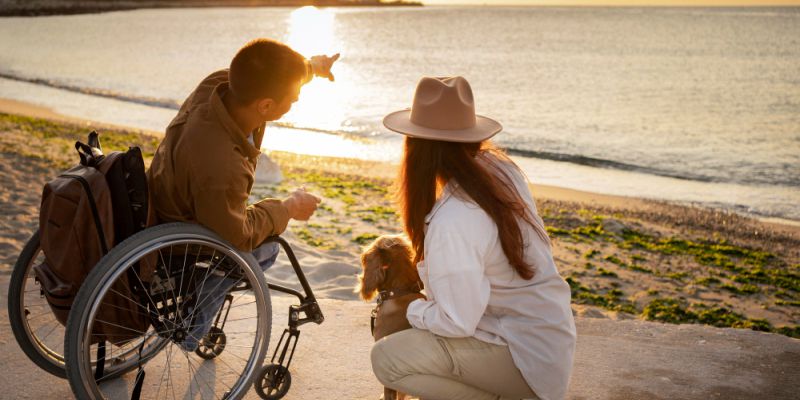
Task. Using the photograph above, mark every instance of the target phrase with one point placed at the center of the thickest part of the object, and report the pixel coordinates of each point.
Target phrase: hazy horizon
(660, 3)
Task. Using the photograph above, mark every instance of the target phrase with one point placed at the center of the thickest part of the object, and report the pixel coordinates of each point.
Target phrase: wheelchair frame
(277, 375)
(271, 381)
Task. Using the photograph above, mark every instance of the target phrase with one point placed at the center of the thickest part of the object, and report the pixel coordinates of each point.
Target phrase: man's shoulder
(214, 79)
(205, 142)
(197, 103)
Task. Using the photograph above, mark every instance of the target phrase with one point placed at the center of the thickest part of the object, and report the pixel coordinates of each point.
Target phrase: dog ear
(373, 275)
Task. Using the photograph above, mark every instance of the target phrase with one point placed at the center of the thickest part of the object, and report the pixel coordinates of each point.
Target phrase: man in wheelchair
(203, 170)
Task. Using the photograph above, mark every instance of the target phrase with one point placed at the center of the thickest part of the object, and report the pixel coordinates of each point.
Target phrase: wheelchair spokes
(200, 300)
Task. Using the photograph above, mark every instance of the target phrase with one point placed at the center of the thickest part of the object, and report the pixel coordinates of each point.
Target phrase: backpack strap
(95, 214)
(101, 361)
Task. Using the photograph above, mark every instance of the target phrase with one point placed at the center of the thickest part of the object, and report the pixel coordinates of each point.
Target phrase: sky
(624, 2)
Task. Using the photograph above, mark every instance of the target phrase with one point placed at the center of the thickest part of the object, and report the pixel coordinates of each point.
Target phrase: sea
(690, 105)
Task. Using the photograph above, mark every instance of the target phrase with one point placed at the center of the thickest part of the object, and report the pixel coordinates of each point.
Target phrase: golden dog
(389, 273)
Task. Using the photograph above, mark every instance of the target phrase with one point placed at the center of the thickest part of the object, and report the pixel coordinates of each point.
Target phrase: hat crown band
(443, 103)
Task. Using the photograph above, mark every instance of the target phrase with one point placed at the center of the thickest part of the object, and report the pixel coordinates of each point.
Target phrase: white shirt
(472, 289)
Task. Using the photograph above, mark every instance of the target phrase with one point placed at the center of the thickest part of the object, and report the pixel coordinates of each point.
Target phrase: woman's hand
(321, 65)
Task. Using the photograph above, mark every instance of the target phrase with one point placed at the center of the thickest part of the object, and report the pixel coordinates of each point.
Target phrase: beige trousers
(431, 367)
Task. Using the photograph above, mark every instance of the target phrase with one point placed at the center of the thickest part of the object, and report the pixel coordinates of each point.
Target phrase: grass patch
(309, 238)
(383, 212)
(590, 254)
(365, 238)
(791, 331)
(718, 254)
(611, 300)
(750, 266)
(54, 142)
(770, 276)
(591, 231)
(639, 268)
(615, 260)
(707, 281)
(348, 189)
(678, 276)
(742, 290)
(792, 303)
(604, 272)
(674, 312)
(553, 231)
(583, 233)
(668, 310)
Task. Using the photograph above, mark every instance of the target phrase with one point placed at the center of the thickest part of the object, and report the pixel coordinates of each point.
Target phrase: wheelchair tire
(45, 350)
(174, 293)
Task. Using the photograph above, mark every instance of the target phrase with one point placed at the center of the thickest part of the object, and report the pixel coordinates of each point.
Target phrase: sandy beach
(625, 258)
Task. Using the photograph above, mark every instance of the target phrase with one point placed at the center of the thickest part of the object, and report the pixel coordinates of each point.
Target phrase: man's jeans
(212, 295)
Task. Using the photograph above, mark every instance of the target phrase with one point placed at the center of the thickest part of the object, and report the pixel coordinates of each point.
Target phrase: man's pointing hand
(321, 65)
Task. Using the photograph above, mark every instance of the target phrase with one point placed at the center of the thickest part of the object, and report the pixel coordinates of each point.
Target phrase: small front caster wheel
(273, 382)
(212, 344)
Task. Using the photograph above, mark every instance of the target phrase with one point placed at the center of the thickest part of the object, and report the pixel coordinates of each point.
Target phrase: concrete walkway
(614, 360)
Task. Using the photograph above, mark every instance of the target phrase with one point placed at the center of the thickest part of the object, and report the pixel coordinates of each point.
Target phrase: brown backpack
(85, 211)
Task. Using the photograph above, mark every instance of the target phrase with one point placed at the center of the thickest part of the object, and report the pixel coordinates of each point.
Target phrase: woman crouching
(497, 321)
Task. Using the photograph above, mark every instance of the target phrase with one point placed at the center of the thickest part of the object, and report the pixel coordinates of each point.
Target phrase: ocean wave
(784, 179)
(780, 179)
(605, 163)
(148, 101)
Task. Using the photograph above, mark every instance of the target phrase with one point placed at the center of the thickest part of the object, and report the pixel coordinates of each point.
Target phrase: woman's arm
(454, 259)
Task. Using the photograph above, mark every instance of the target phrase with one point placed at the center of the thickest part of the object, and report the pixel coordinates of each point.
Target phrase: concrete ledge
(614, 360)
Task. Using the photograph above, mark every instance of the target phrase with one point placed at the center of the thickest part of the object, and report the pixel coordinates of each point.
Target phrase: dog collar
(385, 295)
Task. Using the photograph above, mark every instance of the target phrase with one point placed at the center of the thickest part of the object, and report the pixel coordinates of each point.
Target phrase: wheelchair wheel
(212, 344)
(38, 333)
(184, 272)
(273, 382)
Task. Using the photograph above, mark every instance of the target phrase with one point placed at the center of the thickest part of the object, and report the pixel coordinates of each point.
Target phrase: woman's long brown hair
(428, 165)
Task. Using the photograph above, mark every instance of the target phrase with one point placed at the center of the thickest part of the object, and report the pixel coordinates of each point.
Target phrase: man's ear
(264, 107)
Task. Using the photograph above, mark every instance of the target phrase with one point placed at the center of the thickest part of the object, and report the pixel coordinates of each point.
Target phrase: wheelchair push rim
(174, 369)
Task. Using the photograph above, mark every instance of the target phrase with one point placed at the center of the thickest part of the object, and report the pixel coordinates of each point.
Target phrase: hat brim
(484, 128)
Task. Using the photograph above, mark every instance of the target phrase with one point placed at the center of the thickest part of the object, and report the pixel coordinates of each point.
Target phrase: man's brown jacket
(204, 169)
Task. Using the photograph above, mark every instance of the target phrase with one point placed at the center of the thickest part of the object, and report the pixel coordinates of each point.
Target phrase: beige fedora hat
(443, 109)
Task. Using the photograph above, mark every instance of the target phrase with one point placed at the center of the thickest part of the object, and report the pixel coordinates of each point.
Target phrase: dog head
(388, 257)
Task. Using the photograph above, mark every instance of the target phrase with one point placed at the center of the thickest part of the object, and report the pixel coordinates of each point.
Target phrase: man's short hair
(264, 68)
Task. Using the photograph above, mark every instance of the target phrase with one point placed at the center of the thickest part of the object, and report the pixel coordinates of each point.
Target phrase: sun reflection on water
(312, 32)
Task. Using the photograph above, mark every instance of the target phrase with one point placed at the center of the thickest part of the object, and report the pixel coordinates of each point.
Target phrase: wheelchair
(164, 271)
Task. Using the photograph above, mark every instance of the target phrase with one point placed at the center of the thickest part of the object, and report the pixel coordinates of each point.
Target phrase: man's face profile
(272, 110)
